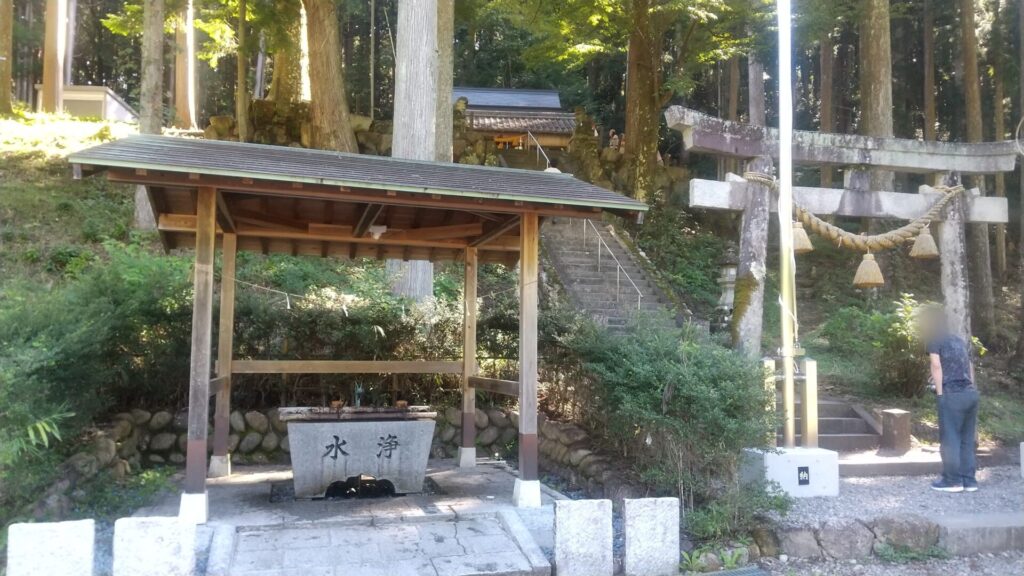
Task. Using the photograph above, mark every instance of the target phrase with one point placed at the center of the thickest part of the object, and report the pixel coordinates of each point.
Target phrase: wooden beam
(734, 196)
(370, 214)
(469, 352)
(224, 219)
(441, 232)
(704, 133)
(528, 277)
(202, 313)
(225, 347)
(496, 231)
(347, 195)
(275, 222)
(347, 367)
(494, 386)
(216, 387)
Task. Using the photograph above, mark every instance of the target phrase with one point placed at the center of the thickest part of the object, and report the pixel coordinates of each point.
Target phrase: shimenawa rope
(875, 243)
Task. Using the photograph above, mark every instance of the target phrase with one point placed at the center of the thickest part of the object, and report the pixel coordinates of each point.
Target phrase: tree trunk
(329, 105)
(1017, 362)
(69, 49)
(982, 300)
(373, 59)
(930, 117)
(825, 95)
(643, 97)
(151, 101)
(416, 116)
(999, 123)
(53, 56)
(876, 80)
(6, 55)
(755, 91)
(445, 78)
(185, 69)
(242, 73)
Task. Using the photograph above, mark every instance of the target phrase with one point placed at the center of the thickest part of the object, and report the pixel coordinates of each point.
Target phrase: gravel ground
(1001, 490)
(1004, 564)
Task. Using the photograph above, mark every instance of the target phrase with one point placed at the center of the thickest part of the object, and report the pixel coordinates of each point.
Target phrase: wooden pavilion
(298, 201)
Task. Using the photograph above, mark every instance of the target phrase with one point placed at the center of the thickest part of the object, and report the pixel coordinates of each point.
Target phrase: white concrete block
(194, 508)
(154, 546)
(800, 472)
(467, 457)
(220, 467)
(526, 493)
(583, 538)
(51, 548)
(652, 536)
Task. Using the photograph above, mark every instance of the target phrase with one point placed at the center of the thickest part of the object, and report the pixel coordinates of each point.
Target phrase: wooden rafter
(370, 214)
(496, 231)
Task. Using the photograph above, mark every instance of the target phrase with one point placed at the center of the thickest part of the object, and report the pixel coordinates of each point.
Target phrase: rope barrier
(861, 243)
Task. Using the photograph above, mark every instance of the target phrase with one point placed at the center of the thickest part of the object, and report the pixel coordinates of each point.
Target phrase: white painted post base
(220, 466)
(467, 457)
(526, 494)
(817, 468)
(195, 508)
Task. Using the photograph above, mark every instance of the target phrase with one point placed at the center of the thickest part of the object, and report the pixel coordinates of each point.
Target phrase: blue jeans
(958, 422)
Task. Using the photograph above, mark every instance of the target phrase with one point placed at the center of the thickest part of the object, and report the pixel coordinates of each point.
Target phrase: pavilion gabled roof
(280, 199)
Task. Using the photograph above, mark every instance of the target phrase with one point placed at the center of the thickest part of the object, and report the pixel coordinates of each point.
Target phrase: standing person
(957, 396)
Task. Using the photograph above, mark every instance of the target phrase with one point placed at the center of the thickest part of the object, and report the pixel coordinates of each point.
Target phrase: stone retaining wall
(567, 450)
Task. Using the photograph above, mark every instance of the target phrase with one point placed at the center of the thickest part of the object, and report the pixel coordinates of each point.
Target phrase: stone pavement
(467, 527)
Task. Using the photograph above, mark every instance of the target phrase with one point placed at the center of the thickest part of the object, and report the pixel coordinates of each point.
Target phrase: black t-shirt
(956, 362)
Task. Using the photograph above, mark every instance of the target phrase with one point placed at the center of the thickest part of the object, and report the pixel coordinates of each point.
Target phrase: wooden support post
(953, 251)
(467, 449)
(54, 50)
(748, 311)
(220, 463)
(527, 487)
(199, 372)
(809, 405)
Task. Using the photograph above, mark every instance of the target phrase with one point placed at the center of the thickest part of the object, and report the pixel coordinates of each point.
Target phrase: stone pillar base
(800, 472)
(220, 466)
(195, 508)
(526, 493)
(467, 457)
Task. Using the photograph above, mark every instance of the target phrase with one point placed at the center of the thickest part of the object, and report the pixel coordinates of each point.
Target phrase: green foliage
(905, 555)
(682, 407)
(107, 500)
(687, 257)
(691, 561)
(855, 331)
(736, 512)
(903, 363)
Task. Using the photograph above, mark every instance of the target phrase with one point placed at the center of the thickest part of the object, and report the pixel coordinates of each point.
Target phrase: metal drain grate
(745, 571)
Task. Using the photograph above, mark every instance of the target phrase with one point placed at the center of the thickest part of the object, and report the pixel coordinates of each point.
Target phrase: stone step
(987, 533)
(839, 426)
(828, 409)
(842, 442)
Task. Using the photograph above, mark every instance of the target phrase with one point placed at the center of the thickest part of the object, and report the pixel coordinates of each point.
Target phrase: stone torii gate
(758, 146)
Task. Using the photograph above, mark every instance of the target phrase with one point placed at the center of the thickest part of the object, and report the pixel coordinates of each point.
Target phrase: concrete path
(446, 548)
(467, 527)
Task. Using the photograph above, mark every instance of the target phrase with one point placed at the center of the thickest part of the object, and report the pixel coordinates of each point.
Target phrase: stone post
(895, 432)
(748, 301)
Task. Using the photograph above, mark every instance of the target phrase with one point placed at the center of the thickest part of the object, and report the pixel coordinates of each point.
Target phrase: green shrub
(852, 331)
(736, 512)
(902, 360)
(682, 408)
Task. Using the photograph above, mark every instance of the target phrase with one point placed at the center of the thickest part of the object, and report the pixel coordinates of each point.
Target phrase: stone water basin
(330, 445)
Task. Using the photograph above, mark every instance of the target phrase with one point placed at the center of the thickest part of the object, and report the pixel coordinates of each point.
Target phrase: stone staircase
(603, 290)
(841, 427)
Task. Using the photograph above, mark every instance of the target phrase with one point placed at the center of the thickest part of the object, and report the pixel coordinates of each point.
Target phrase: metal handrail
(540, 150)
(619, 271)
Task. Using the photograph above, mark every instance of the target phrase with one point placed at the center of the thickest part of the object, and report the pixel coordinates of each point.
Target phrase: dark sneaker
(943, 486)
(970, 486)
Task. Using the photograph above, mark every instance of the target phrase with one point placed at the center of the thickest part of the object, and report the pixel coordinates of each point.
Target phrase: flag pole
(787, 278)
